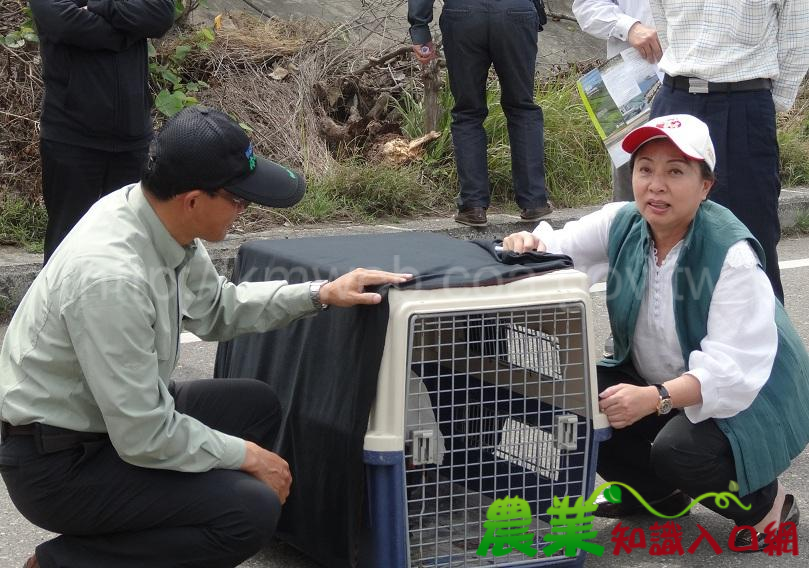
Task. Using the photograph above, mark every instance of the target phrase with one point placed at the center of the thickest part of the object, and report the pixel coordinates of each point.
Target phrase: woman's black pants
(660, 454)
(111, 514)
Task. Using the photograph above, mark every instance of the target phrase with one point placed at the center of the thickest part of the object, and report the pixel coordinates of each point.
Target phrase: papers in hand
(617, 96)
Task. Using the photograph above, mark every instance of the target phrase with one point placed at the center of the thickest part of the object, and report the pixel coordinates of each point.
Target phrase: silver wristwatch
(314, 294)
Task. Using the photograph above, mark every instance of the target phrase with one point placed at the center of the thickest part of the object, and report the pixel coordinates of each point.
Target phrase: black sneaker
(473, 217)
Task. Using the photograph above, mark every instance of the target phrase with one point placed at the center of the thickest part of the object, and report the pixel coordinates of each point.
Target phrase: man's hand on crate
(349, 289)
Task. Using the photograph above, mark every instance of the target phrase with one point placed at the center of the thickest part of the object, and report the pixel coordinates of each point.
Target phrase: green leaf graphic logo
(613, 494)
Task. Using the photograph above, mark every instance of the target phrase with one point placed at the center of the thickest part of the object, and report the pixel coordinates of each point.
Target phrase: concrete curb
(18, 268)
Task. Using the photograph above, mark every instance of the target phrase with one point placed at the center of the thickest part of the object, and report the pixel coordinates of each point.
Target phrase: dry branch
(381, 60)
(296, 83)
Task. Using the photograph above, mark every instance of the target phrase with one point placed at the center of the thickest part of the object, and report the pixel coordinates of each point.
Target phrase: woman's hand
(523, 242)
(626, 404)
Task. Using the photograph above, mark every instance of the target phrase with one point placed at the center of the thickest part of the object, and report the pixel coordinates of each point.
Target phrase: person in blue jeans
(478, 34)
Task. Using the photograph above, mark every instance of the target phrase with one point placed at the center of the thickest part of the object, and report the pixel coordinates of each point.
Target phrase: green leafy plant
(174, 92)
(26, 34)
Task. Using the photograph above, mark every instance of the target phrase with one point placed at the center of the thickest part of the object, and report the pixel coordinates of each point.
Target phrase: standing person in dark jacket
(95, 124)
(478, 34)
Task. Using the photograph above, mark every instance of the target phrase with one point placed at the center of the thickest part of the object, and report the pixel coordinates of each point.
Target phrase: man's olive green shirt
(96, 338)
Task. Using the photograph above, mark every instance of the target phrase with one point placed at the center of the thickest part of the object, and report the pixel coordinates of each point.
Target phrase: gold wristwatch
(664, 404)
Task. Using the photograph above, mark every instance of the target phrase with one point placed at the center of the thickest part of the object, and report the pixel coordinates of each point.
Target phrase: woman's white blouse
(735, 357)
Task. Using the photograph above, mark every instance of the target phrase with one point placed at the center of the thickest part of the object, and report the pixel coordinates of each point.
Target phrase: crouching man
(98, 444)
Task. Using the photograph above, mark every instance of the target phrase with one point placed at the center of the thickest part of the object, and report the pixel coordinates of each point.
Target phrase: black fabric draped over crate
(324, 368)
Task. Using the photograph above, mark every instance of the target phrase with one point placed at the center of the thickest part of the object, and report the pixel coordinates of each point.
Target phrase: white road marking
(783, 265)
(787, 264)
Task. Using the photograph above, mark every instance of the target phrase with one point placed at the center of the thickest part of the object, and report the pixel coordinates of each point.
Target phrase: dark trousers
(73, 178)
(111, 514)
(660, 454)
(742, 127)
(478, 34)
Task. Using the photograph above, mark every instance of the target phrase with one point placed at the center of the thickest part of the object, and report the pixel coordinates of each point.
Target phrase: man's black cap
(203, 148)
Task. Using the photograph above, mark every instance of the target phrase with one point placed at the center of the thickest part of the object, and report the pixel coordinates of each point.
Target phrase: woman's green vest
(775, 428)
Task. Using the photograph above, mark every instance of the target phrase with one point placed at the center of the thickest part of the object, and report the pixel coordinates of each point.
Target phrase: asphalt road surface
(18, 537)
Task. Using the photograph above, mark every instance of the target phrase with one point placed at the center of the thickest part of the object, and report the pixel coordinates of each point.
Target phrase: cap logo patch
(291, 173)
(670, 123)
(251, 157)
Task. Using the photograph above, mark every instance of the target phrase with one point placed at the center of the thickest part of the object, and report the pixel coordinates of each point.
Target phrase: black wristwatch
(314, 294)
(664, 404)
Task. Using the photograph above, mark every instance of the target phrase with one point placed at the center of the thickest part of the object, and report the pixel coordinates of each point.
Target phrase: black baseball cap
(203, 148)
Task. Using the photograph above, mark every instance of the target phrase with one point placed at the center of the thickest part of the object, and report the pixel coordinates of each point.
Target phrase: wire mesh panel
(496, 406)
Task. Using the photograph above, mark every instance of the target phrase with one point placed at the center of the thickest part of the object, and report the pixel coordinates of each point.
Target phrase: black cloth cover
(324, 368)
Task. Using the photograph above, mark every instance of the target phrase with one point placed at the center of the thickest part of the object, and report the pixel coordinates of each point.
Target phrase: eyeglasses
(237, 201)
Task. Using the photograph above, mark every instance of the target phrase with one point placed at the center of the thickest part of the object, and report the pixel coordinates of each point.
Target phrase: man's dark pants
(742, 127)
(478, 34)
(660, 454)
(73, 178)
(113, 514)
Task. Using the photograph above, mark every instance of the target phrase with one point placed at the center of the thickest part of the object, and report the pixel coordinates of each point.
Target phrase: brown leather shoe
(536, 213)
(473, 217)
(31, 562)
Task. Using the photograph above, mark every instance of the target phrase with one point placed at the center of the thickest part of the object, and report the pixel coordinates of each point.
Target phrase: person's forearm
(685, 390)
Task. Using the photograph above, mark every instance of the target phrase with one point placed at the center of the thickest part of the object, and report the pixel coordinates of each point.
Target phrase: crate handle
(424, 447)
(567, 432)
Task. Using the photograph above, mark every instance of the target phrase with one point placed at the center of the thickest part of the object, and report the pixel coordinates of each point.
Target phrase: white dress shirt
(611, 20)
(737, 354)
(736, 41)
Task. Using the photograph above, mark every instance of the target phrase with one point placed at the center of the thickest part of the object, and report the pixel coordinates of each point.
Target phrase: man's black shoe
(536, 213)
(789, 514)
(674, 504)
(473, 217)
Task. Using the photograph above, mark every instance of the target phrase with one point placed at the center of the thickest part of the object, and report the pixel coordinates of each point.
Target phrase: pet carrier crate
(483, 393)
(404, 421)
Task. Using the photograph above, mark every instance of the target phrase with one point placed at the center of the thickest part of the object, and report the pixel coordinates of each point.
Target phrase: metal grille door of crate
(496, 406)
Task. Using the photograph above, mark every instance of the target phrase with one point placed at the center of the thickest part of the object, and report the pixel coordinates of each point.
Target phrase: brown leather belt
(695, 85)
